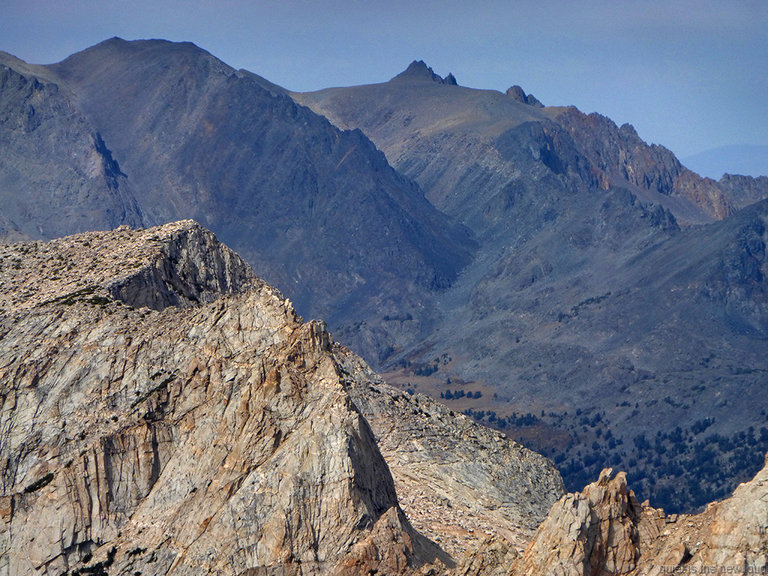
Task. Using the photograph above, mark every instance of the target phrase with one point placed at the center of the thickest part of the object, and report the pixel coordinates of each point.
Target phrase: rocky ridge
(437, 473)
(466, 146)
(617, 156)
(154, 268)
(744, 190)
(164, 410)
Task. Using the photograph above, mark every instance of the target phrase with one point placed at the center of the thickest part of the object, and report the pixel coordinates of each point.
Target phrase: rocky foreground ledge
(166, 412)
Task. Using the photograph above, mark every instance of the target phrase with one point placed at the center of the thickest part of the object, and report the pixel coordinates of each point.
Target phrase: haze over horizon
(691, 76)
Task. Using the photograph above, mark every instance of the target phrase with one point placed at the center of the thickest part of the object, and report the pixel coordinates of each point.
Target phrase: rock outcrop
(165, 411)
(744, 190)
(213, 438)
(418, 70)
(619, 157)
(605, 530)
(517, 93)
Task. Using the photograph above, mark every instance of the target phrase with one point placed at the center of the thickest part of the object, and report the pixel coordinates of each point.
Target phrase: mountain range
(615, 299)
(316, 210)
(542, 270)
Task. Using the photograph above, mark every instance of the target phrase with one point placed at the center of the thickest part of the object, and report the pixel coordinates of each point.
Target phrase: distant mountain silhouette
(745, 160)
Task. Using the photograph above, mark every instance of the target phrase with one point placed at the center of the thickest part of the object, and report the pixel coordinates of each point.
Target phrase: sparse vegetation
(457, 394)
(81, 295)
(503, 423)
(678, 471)
(161, 386)
(38, 484)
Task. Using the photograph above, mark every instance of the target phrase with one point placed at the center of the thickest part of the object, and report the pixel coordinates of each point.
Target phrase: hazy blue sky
(691, 75)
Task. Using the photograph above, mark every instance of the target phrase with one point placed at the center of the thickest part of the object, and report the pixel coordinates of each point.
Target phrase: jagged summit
(418, 70)
(517, 93)
(605, 530)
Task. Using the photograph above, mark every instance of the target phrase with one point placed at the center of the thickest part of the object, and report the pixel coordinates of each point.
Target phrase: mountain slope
(590, 324)
(294, 195)
(456, 141)
(53, 157)
(655, 362)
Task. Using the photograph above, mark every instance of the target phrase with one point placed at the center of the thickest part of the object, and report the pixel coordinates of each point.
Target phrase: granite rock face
(155, 437)
(165, 411)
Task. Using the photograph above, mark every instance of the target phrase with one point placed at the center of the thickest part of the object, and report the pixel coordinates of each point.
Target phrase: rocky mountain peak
(517, 93)
(418, 70)
(605, 530)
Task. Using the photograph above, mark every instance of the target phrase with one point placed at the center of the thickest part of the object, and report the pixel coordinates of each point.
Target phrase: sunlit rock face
(165, 411)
